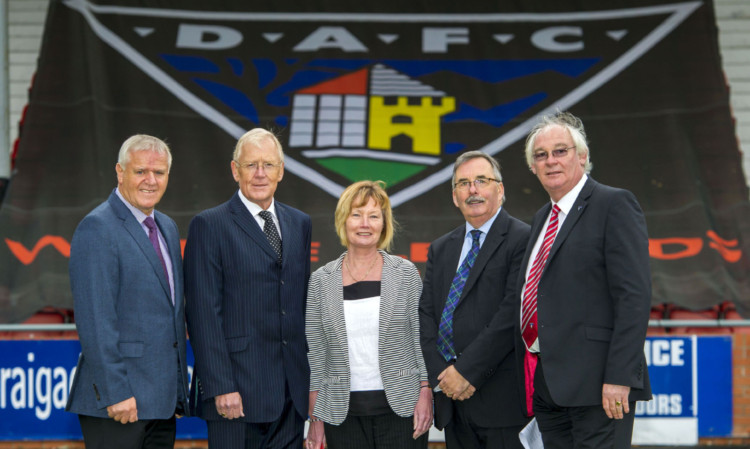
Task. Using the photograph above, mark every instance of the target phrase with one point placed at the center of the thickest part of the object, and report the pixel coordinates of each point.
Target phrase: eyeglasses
(252, 167)
(557, 153)
(479, 183)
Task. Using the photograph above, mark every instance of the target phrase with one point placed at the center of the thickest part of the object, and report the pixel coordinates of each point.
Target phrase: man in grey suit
(126, 277)
(247, 264)
(466, 313)
(584, 296)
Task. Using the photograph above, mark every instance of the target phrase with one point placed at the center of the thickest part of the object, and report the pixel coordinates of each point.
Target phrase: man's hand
(615, 400)
(229, 405)
(124, 412)
(454, 385)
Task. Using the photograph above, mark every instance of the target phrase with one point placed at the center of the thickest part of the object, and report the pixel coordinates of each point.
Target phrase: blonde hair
(358, 195)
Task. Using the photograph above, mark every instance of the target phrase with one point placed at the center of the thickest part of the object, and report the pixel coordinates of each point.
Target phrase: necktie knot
(150, 224)
(266, 215)
(475, 234)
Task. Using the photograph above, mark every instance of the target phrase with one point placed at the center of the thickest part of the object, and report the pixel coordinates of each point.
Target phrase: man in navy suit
(126, 277)
(585, 296)
(247, 264)
(479, 400)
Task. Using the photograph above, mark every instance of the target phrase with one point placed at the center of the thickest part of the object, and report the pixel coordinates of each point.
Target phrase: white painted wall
(25, 27)
(26, 24)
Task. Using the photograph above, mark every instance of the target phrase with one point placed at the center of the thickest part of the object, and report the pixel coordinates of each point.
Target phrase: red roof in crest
(351, 84)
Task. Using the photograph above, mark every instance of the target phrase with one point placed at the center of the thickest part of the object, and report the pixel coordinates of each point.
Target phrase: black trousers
(463, 433)
(578, 427)
(284, 433)
(106, 433)
(388, 431)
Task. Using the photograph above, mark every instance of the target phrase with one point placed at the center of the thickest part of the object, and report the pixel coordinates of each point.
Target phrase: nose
(473, 188)
(150, 177)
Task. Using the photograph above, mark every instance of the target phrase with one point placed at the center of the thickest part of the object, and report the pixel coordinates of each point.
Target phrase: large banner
(387, 90)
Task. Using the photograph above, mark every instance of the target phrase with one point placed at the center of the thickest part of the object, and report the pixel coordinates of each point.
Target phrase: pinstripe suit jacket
(401, 365)
(245, 311)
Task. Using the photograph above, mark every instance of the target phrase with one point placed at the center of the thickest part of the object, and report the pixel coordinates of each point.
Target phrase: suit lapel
(246, 222)
(135, 230)
(450, 266)
(572, 218)
(494, 238)
(175, 253)
(334, 305)
(289, 240)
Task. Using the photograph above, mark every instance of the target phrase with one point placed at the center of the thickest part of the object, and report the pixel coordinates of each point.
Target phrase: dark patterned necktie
(269, 228)
(445, 331)
(153, 235)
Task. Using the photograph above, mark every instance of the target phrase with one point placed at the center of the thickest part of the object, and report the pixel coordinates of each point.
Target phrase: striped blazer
(402, 367)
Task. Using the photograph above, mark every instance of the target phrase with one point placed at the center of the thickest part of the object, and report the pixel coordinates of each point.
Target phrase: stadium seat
(711, 313)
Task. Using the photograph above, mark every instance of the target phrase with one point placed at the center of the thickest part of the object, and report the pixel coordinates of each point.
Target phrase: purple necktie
(153, 235)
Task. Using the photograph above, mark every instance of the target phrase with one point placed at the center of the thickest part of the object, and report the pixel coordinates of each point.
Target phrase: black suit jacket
(594, 297)
(246, 312)
(482, 323)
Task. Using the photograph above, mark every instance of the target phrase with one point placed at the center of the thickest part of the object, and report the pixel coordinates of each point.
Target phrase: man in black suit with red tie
(466, 314)
(585, 290)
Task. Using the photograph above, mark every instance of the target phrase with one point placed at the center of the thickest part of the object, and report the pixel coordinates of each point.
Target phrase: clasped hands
(454, 385)
(229, 405)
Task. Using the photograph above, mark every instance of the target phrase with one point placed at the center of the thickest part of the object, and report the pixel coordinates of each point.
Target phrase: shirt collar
(485, 228)
(567, 201)
(137, 213)
(254, 208)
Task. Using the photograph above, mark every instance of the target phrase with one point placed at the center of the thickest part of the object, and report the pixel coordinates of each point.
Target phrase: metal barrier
(651, 323)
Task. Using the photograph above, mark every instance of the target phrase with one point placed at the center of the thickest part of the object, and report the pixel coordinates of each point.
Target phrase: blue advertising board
(691, 378)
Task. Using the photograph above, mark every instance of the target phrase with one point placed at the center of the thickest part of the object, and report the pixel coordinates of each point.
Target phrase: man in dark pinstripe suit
(247, 265)
(479, 398)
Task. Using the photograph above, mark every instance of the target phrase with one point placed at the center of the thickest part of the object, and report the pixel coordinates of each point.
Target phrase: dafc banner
(390, 90)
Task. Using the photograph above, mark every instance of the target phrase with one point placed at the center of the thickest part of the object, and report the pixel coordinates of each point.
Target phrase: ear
(455, 200)
(281, 172)
(120, 173)
(235, 171)
(533, 169)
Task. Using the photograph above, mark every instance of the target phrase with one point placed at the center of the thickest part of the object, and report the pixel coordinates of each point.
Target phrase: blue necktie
(445, 331)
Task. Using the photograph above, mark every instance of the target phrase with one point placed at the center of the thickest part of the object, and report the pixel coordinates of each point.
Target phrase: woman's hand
(423, 412)
(316, 437)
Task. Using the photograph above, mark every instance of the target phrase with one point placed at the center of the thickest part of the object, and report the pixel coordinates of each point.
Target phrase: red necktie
(528, 304)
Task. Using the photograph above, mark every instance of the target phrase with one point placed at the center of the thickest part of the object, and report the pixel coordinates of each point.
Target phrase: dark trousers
(106, 433)
(388, 431)
(286, 432)
(462, 433)
(578, 427)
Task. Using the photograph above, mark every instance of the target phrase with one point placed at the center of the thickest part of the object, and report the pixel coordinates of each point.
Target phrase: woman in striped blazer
(367, 371)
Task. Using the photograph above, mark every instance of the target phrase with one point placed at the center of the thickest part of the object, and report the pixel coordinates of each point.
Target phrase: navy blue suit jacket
(246, 311)
(483, 323)
(132, 337)
(594, 297)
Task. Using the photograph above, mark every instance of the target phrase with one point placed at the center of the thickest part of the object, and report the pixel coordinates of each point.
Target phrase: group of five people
(508, 322)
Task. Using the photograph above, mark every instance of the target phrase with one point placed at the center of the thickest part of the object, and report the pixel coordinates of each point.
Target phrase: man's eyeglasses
(557, 153)
(479, 183)
(252, 167)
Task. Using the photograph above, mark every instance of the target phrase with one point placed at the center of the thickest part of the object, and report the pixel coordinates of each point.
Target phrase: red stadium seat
(712, 313)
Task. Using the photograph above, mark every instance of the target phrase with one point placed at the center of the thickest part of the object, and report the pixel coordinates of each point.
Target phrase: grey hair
(254, 137)
(143, 142)
(565, 119)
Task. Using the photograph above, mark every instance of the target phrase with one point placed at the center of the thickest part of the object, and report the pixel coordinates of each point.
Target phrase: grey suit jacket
(401, 365)
(132, 337)
(594, 298)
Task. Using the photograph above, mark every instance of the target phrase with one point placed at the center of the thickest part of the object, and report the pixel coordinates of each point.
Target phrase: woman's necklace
(349, 268)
